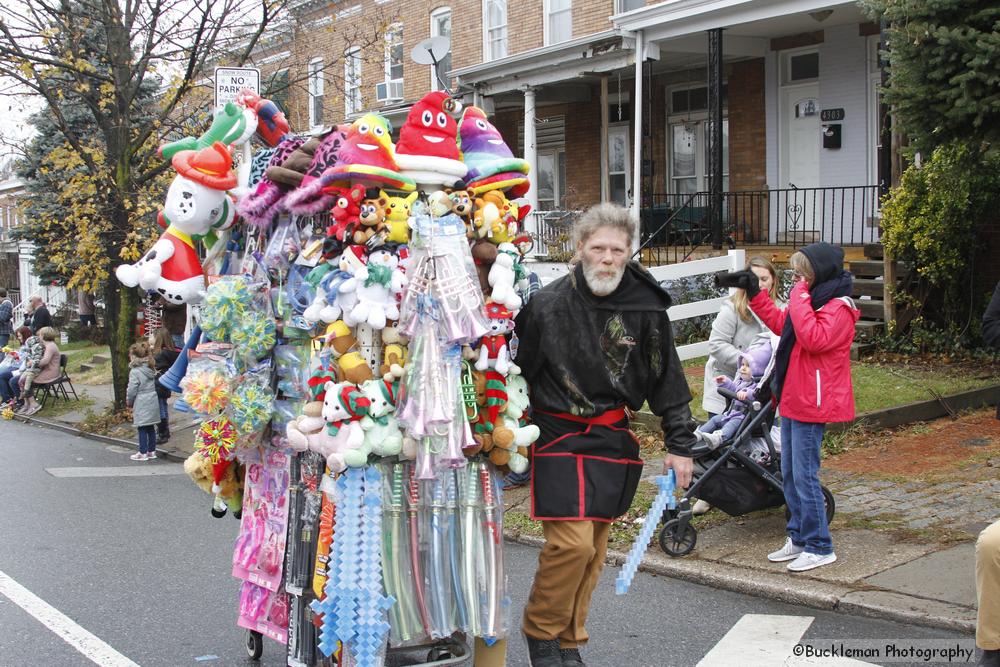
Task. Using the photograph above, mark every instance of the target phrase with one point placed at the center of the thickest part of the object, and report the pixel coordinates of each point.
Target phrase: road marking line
(139, 470)
(766, 640)
(62, 625)
(758, 639)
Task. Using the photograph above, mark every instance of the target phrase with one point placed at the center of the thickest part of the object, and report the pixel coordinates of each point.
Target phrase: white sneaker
(808, 561)
(714, 439)
(787, 552)
(700, 507)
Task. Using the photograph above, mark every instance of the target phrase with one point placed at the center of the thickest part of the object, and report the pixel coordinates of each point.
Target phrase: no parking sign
(231, 80)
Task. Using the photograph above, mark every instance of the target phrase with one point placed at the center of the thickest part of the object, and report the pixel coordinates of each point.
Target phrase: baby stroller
(740, 476)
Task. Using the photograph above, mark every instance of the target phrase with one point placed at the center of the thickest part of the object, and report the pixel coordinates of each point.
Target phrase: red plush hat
(427, 150)
(211, 166)
(497, 311)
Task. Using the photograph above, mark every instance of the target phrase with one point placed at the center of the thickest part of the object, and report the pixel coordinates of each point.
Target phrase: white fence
(734, 261)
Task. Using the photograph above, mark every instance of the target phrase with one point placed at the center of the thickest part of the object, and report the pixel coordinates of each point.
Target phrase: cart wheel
(218, 514)
(676, 542)
(255, 645)
(828, 503)
(238, 514)
(439, 653)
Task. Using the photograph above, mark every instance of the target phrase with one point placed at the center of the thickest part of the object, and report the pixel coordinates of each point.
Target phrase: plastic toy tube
(441, 625)
(470, 552)
(663, 500)
(413, 498)
(394, 558)
(455, 548)
(492, 539)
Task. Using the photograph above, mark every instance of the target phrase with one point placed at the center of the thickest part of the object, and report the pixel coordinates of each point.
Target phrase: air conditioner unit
(388, 91)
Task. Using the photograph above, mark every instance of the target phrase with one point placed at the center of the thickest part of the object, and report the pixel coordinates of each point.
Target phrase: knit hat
(757, 357)
(492, 165)
(427, 151)
(367, 156)
(211, 167)
(354, 401)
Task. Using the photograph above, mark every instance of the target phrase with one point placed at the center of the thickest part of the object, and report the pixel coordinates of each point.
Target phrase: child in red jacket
(812, 383)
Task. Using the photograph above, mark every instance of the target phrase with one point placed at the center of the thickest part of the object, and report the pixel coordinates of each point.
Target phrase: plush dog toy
(493, 350)
(383, 436)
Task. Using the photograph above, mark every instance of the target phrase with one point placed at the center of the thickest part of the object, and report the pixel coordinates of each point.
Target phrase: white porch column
(605, 185)
(531, 147)
(640, 50)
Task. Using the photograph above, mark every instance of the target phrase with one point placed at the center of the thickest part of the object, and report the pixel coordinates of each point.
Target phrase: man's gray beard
(599, 285)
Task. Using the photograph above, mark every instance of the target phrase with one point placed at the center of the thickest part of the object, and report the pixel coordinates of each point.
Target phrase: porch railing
(674, 226)
(552, 232)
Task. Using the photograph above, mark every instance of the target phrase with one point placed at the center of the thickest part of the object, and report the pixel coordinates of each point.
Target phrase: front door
(800, 141)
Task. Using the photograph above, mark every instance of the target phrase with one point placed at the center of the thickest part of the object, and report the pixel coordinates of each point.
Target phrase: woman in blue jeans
(812, 382)
(10, 390)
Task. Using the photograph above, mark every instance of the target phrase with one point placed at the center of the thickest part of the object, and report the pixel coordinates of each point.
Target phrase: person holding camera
(811, 382)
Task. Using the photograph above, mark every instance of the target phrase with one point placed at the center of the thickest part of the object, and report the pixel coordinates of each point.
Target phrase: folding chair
(56, 387)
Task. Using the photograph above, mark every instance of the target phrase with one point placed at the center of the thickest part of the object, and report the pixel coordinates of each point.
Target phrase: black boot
(543, 652)
(162, 431)
(989, 658)
(571, 657)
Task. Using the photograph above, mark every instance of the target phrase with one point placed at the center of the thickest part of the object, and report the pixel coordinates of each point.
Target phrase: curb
(169, 454)
(868, 602)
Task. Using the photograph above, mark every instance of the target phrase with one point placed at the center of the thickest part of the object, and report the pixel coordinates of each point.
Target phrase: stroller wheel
(254, 644)
(676, 541)
(828, 503)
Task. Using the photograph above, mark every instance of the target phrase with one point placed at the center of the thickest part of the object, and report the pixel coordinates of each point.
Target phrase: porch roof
(600, 52)
(746, 19)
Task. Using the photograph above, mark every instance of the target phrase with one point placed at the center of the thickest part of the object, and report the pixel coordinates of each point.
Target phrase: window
(800, 67)
(276, 89)
(619, 164)
(315, 92)
(441, 27)
(687, 100)
(558, 21)
(394, 53)
(352, 80)
(689, 158)
(495, 29)
(551, 168)
(629, 5)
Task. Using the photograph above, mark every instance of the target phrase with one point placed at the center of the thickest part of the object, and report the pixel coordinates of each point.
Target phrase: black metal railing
(674, 226)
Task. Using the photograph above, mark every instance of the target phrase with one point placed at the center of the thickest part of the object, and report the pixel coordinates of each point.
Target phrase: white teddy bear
(382, 433)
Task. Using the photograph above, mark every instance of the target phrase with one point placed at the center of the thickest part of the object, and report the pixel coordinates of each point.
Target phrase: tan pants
(568, 569)
(988, 588)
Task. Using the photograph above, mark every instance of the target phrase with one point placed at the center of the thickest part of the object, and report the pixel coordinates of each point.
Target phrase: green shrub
(933, 220)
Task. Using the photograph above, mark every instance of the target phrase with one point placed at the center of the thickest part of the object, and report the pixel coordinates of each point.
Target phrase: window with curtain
(394, 53)
(315, 86)
(558, 21)
(495, 29)
(441, 27)
(352, 80)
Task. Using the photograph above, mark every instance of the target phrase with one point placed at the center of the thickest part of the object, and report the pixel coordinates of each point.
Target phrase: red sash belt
(607, 418)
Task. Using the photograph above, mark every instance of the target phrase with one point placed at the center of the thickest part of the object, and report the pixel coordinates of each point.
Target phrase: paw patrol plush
(493, 351)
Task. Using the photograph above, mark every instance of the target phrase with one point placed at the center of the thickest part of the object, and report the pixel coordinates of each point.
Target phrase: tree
(944, 65)
(99, 57)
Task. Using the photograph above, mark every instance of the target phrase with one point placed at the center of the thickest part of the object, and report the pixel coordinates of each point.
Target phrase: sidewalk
(909, 507)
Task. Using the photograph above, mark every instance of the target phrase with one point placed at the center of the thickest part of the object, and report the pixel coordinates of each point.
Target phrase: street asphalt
(139, 563)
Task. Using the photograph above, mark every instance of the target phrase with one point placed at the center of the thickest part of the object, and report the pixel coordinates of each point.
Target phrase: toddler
(721, 427)
(141, 397)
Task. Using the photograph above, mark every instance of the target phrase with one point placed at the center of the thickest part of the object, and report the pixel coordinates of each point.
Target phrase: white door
(800, 141)
(619, 165)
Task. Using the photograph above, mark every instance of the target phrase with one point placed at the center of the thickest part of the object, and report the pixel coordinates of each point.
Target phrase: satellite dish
(431, 51)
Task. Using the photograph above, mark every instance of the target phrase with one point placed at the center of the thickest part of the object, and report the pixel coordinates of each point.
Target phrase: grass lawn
(81, 352)
(884, 384)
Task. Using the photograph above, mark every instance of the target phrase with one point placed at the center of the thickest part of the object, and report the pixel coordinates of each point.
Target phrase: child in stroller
(753, 364)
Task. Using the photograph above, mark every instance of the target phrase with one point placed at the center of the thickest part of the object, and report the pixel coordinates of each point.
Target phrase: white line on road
(90, 646)
(767, 640)
(140, 470)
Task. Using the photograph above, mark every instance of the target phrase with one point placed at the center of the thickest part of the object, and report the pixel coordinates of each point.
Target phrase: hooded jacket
(584, 355)
(817, 386)
(141, 394)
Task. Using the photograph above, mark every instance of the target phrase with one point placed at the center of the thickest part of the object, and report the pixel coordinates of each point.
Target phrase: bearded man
(591, 344)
